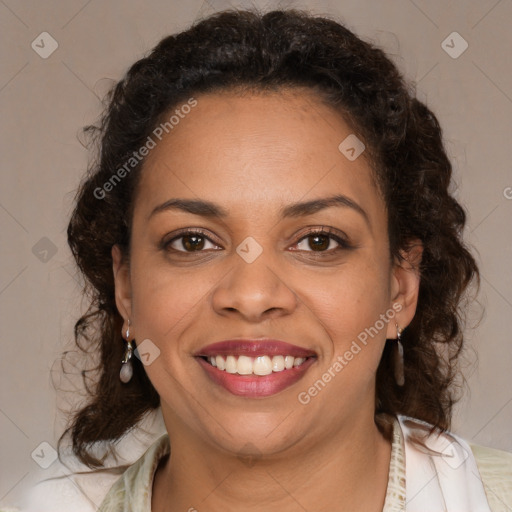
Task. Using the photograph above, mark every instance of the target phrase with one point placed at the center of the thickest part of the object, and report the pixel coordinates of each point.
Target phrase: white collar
(441, 473)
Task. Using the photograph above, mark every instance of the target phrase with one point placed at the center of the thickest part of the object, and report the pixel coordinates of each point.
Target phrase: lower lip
(252, 386)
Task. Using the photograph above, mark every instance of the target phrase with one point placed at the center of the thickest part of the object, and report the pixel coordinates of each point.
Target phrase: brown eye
(192, 242)
(321, 241)
(189, 241)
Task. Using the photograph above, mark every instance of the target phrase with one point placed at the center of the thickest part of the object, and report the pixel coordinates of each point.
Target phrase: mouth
(255, 368)
(260, 365)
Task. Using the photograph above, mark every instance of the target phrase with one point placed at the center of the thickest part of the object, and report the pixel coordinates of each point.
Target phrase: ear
(405, 286)
(122, 282)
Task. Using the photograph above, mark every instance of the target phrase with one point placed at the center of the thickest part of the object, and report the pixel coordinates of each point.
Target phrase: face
(277, 235)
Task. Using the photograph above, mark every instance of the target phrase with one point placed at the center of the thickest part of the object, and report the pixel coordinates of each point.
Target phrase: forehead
(255, 149)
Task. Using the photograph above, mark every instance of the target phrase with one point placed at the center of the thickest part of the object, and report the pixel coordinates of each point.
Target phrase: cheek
(353, 298)
(165, 301)
(166, 309)
(349, 309)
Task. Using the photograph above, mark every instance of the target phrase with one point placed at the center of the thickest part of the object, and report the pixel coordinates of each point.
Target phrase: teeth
(221, 362)
(288, 362)
(231, 366)
(261, 365)
(244, 366)
(277, 363)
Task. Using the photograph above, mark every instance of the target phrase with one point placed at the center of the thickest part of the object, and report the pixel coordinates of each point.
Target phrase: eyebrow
(209, 209)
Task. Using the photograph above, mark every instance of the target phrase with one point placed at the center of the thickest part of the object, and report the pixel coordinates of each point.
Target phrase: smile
(261, 365)
(255, 368)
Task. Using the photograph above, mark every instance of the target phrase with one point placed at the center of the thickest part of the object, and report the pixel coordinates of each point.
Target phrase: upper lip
(253, 348)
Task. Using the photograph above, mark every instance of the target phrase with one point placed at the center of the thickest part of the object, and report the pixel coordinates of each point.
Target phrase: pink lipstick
(255, 368)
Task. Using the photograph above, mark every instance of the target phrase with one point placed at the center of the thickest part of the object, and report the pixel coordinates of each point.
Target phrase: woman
(276, 262)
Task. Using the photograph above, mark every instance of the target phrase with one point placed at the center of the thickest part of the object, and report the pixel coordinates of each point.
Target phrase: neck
(334, 473)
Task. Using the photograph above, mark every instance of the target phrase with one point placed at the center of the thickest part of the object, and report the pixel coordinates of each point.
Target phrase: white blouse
(427, 473)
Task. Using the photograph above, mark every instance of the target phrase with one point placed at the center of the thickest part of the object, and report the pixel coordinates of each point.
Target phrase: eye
(322, 240)
(319, 241)
(189, 241)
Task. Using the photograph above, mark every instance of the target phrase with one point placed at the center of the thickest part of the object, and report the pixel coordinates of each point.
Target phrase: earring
(126, 372)
(399, 358)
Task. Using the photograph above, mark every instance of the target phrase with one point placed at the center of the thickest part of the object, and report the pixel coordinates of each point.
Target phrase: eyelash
(343, 243)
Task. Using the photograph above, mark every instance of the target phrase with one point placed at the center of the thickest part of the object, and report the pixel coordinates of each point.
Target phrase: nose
(254, 291)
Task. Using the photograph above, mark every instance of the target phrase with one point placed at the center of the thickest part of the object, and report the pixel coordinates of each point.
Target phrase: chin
(253, 434)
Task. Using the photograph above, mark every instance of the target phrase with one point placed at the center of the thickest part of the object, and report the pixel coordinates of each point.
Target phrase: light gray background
(45, 102)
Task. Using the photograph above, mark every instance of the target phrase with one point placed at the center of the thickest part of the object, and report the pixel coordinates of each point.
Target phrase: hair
(242, 50)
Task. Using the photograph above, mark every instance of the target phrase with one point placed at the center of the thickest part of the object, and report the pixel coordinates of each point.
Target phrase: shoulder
(135, 484)
(69, 488)
(495, 467)
(491, 468)
(64, 490)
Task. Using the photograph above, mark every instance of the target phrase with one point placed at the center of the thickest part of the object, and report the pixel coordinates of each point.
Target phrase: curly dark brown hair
(247, 50)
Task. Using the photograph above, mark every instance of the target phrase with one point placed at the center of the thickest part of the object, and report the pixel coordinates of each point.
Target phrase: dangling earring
(399, 358)
(126, 372)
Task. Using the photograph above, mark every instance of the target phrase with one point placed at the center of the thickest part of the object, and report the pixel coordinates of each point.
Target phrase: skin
(253, 155)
